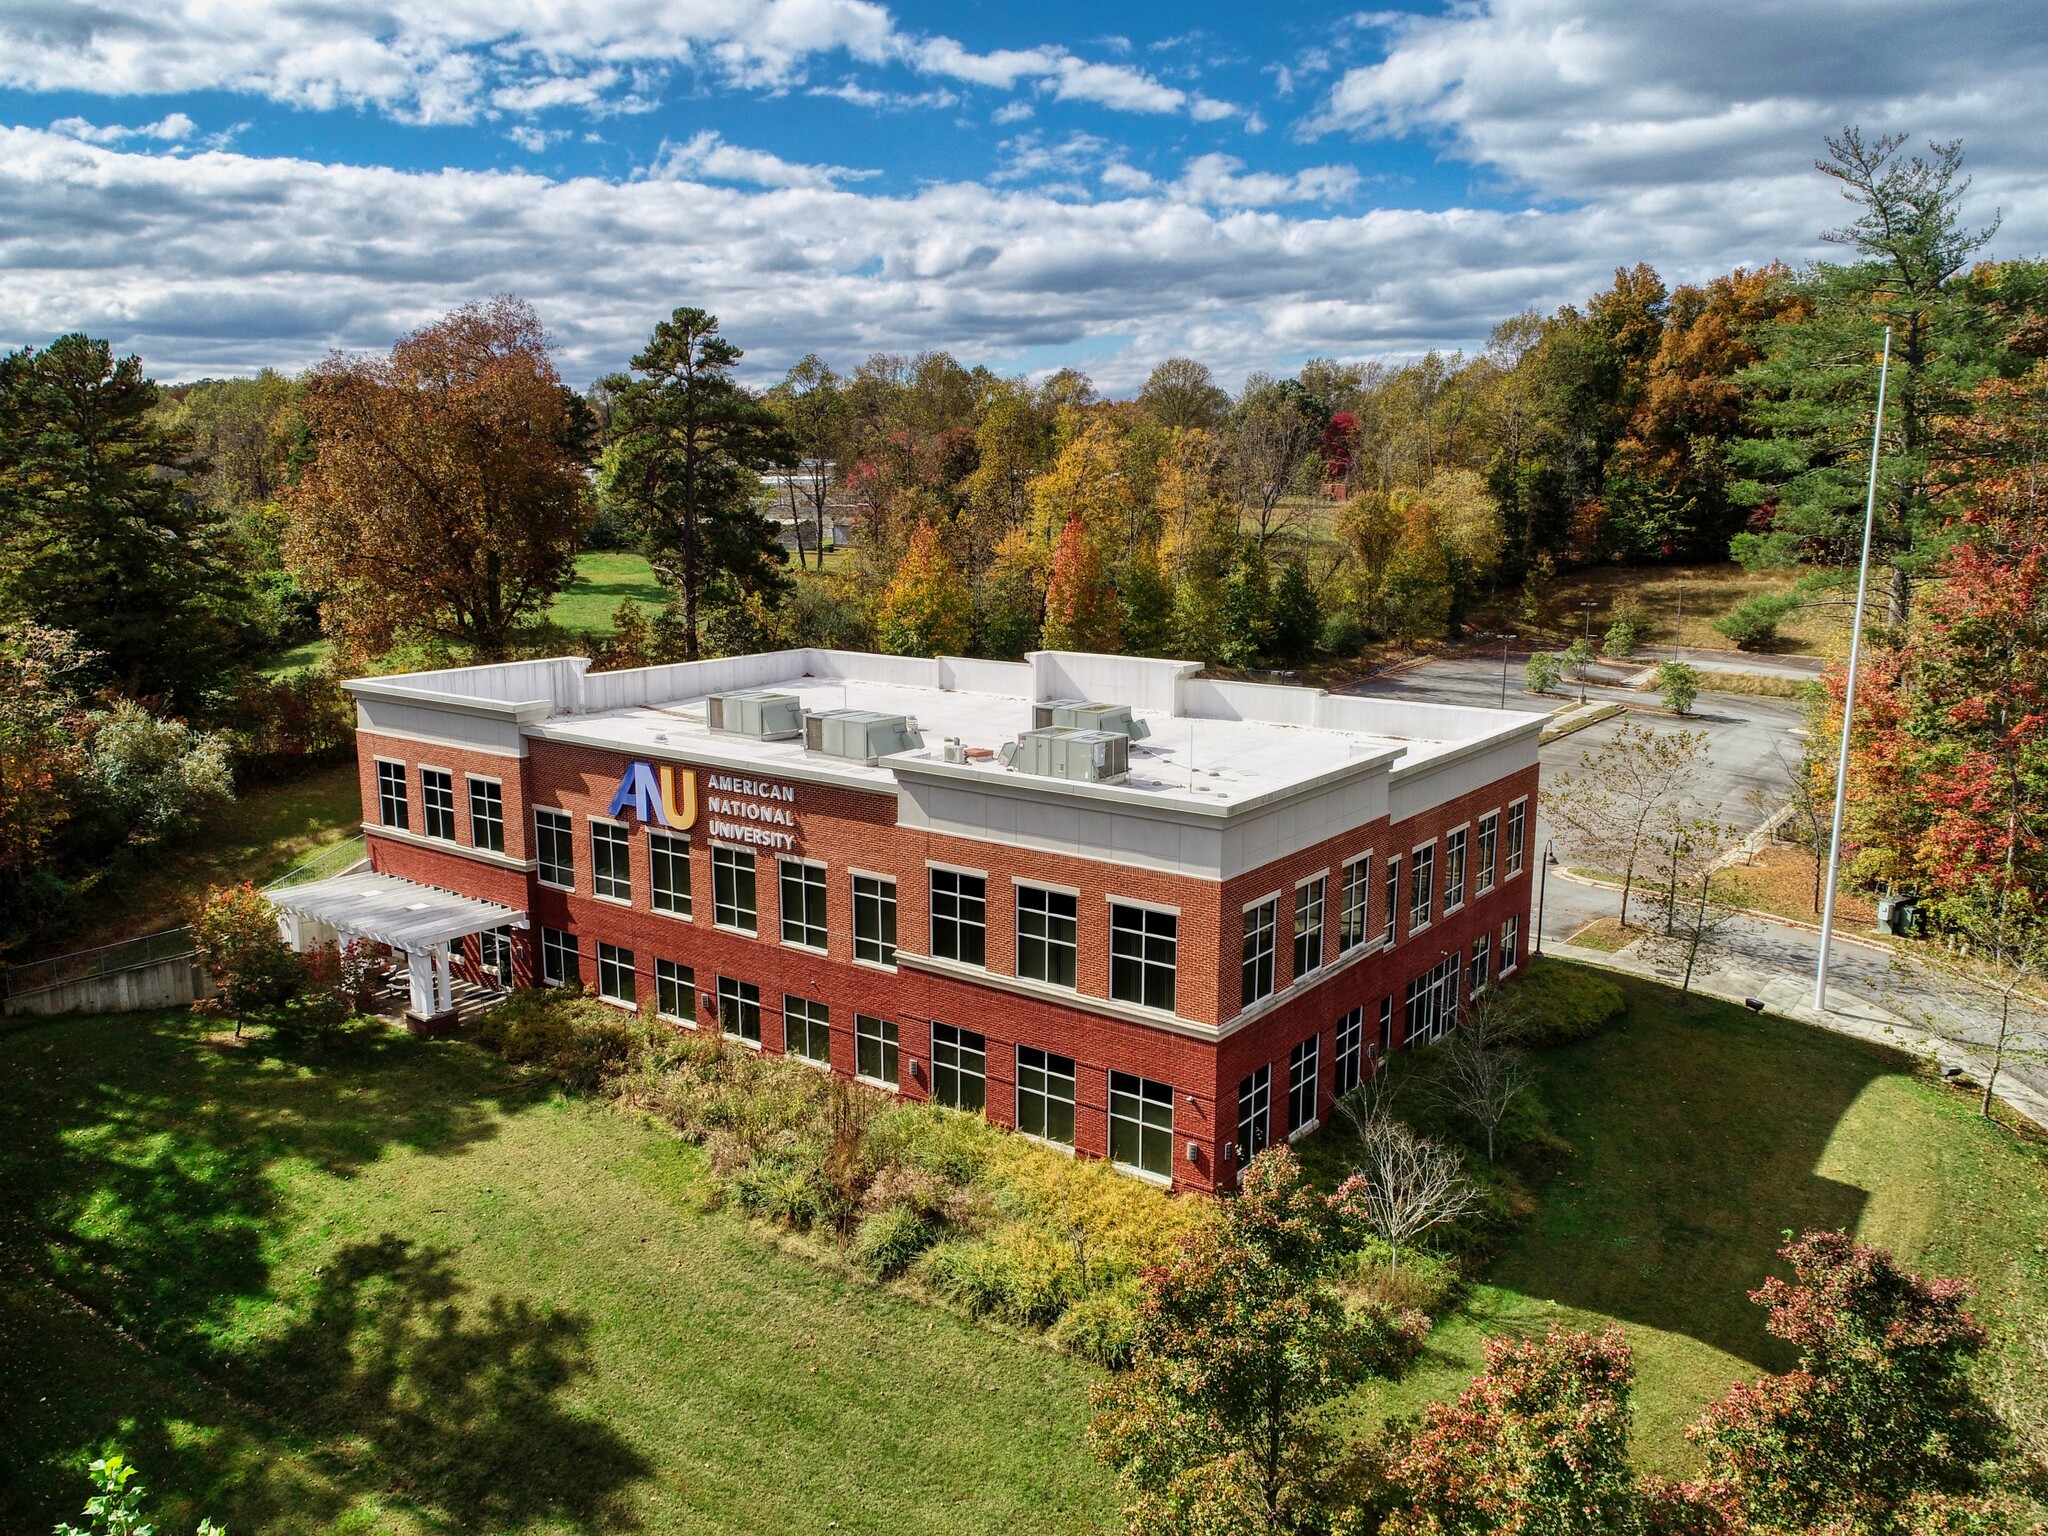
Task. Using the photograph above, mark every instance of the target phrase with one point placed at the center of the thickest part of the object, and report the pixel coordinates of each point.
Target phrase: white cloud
(1207, 109)
(534, 140)
(1217, 180)
(172, 128)
(708, 155)
(1012, 112)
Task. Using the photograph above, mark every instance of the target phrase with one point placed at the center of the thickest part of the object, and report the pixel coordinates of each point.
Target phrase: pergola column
(444, 981)
(419, 968)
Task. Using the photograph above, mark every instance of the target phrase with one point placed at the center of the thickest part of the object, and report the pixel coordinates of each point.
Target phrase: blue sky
(227, 187)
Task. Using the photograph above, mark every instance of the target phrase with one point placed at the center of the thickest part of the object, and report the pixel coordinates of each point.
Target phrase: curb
(1565, 873)
(1566, 725)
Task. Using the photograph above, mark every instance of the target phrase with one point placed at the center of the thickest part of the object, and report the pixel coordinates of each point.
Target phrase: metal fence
(338, 860)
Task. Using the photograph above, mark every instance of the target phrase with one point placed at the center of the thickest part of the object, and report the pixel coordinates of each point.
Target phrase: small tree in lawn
(1689, 907)
(1997, 955)
(254, 972)
(1879, 1424)
(1678, 685)
(1241, 1338)
(1578, 660)
(116, 1509)
(1537, 1445)
(1404, 1185)
(1542, 672)
(1608, 810)
(1479, 1074)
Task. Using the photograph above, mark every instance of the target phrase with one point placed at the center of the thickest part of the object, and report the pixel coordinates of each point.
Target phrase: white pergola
(416, 920)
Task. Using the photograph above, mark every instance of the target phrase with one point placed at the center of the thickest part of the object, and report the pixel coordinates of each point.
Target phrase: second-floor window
(1308, 926)
(393, 808)
(959, 917)
(668, 860)
(1144, 948)
(1390, 902)
(1454, 870)
(1046, 935)
(1421, 887)
(803, 903)
(611, 861)
(437, 803)
(732, 889)
(554, 846)
(1517, 818)
(874, 919)
(1352, 897)
(1261, 926)
(487, 815)
(1487, 850)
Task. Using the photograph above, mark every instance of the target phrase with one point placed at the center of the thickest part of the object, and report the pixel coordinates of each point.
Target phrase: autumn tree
(1608, 811)
(444, 497)
(1081, 611)
(42, 757)
(1241, 1339)
(1009, 602)
(1181, 392)
(1405, 1185)
(255, 974)
(1995, 957)
(928, 609)
(1271, 440)
(100, 536)
(688, 444)
(1536, 1445)
(811, 404)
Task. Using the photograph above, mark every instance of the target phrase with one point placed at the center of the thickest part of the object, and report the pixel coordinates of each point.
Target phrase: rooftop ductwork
(1059, 752)
(1087, 715)
(859, 735)
(754, 712)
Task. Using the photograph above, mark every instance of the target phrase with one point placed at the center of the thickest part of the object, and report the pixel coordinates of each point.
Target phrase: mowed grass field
(397, 1288)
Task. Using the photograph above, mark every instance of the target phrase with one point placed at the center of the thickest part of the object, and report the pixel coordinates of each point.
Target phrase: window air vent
(752, 712)
(859, 735)
(1087, 715)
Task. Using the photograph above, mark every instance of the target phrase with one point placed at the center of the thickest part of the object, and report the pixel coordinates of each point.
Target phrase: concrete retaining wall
(171, 983)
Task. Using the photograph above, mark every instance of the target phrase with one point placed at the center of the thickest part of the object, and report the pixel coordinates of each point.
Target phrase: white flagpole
(1827, 916)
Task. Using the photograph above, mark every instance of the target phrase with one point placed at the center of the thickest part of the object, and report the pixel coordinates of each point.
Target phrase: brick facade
(1209, 1044)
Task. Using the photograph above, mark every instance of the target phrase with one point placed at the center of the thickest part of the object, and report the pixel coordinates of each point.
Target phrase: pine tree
(927, 609)
(1081, 609)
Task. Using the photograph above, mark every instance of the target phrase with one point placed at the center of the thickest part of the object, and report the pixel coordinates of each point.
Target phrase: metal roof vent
(1087, 715)
(1059, 752)
(859, 735)
(754, 712)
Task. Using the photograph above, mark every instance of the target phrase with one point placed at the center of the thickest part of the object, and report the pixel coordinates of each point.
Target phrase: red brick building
(1108, 901)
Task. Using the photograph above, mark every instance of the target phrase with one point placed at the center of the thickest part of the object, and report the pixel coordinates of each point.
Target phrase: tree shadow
(1697, 1129)
(458, 1401)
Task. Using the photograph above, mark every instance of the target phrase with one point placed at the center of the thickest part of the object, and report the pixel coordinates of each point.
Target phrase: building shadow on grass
(1697, 1129)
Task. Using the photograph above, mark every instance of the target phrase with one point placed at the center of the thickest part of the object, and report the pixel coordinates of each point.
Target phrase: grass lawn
(1683, 601)
(604, 579)
(1701, 1133)
(399, 1290)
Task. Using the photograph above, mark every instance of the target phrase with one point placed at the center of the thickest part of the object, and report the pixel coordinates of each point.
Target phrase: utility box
(1087, 715)
(859, 735)
(757, 713)
(1060, 752)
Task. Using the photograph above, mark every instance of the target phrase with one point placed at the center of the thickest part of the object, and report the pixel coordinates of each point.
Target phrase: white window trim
(956, 869)
(1312, 1126)
(877, 965)
(804, 949)
(1358, 858)
(1160, 907)
(553, 810)
(1321, 874)
(1420, 846)
(624, 902)
(1463, 826)
(1142, 1175)
(739, 933)
(870, 874)
(1019, 882)
(732, 847)
(437, 768)
(1272, 896)
(800, 860)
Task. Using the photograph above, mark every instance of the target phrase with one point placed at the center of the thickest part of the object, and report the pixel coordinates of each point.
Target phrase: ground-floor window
(1141, 1124)
(1386, 1026)
(1482, 963)
(1433, 1001)
(1254, 1114)
(874, 1049)
(560, 965)
(494, 953)
(1045, 1095)
(959, 1068)
(675, 991)
(807, 1029)
(1349, 1062)
(615, 981)
(1304, 1066)
(1510, 944)
(739, 1009)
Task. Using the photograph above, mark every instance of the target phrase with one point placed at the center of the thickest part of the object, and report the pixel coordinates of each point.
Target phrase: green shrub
(889, 1241)
(1543, 672)
(1101, 1326)
(968, 1273)
(940, 1142)
(1753, 623)
(1679, 685)
(581, 1043)
(791, 1191)
(1343, 635)
(1565, 1002)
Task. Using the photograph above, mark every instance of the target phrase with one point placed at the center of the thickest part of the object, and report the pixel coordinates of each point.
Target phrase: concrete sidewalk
(1732, 980)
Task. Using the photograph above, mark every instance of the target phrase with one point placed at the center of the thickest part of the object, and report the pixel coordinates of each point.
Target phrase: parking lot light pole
(1543, 888)
(1588, 607)
(1505, 642)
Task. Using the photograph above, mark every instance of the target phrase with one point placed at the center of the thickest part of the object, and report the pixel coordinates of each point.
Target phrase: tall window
(739, 1009)
(1517, 815)
(668, 861)
(1254, 1114)
(675, 991)
(732, 889)
(1348, 1066)
(874, 1049)
(959, 1068)
(1353, 894)
(560, 965)
(803, 903)
(1045, 1095)
(611, 861)
(1261, 923)
(393, 808)
(1143, 949)
(494, 953)
(487, 815)
(1141, 1124)
(874, 919)
(1488, 850)
(1308, 926)
(959, 917)
(1454, 870)
(615, 982)
(807, 1029)
(1510, 944)
(1304, 1064)
(1433, 1001)
(1421, 887)
(1046, 944)
(437, 803)
(554, 846)
(1390, 901)
(1482, 962)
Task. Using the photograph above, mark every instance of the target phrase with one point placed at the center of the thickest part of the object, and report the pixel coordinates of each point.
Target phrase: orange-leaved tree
(927, 609)
(1081, 610)
(446, 496)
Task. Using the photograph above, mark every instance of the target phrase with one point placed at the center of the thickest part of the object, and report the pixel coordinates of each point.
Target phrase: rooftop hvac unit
(1087, 715)
(753, 712)
(1058, 752)
(859, 735)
